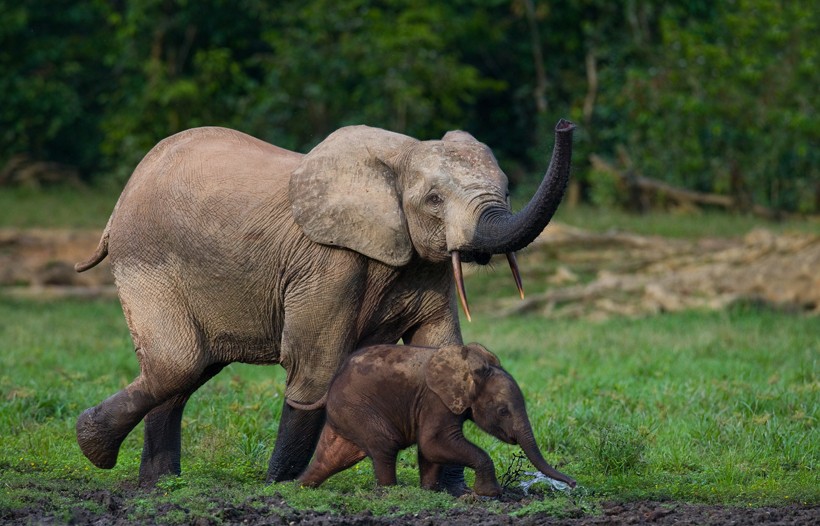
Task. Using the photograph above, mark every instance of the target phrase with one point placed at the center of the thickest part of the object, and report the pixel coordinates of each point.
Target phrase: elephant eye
(503, 411)
(434, 199)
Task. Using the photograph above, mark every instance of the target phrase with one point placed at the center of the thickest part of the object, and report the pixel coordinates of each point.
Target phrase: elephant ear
(344, 194)
(454, 373)
(458, 136)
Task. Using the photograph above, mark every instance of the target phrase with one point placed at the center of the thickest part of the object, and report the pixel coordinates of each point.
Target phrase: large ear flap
(453, 373)
(344, 194)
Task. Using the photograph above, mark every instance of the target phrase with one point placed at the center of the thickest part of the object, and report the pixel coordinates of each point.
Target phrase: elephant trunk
(526, 440)
(500, 232)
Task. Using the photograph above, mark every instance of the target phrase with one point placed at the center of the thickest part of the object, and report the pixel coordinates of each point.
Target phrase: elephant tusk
(515, 272)
(462, 295)
(319, 404)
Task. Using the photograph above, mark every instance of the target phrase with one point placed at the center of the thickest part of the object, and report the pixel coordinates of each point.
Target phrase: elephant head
(471, 378)
(388, 196)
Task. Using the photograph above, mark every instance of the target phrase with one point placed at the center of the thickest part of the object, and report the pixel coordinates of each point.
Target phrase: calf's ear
(454, 374)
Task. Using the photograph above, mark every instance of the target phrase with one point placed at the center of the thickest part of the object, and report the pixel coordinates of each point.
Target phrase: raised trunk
(528, 444)
(499, 232)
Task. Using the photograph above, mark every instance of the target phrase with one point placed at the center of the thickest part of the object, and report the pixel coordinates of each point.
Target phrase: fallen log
(641, 189)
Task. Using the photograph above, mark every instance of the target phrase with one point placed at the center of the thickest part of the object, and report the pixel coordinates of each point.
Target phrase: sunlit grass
(716, 407)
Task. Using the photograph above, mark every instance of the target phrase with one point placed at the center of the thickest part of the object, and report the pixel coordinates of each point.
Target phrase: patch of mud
(633, 275)
(40, 263)
(118, 509)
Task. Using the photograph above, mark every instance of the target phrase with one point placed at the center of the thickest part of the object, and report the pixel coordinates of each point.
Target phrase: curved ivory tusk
(462, 295)
(318, 404)
(515, 272)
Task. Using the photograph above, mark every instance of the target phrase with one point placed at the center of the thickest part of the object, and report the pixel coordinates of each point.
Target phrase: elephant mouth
(476, 257)
(481, 259)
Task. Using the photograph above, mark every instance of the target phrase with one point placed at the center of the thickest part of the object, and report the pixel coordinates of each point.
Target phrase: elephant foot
(98, 441)
(281, 470)
(298, 434)
(451, 480)
(488, 489)
(159, 465)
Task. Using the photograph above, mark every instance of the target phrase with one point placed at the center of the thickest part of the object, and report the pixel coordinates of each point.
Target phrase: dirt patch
(596, 275)
(40, 262)
(600, 275)
(119, 509)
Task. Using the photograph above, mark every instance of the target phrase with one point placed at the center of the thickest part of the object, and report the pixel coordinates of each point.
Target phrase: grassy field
(710, 407)
(703, 407)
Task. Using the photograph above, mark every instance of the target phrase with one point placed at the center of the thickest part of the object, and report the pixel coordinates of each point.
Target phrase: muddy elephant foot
(451, 480)
(97, 439)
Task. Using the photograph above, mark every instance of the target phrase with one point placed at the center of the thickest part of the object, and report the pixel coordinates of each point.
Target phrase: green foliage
(51, 77)
(723, 106)
(290, 75)
(711, 96)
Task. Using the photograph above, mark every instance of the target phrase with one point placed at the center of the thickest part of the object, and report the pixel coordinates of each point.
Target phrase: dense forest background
(717, 97)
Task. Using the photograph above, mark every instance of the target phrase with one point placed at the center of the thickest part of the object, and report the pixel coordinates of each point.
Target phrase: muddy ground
(274, 511)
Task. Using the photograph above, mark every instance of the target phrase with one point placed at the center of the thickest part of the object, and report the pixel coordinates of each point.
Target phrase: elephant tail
(102, 246)
(97, 256)
(318, 404)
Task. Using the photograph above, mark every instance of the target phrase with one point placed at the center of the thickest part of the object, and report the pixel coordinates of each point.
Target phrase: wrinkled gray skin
(228, 249)
(388, 397)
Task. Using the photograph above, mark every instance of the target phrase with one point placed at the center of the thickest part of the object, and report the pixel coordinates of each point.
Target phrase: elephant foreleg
(445, 331)
(298, 434)
(458, 451)
(162, 446)
(430, 473)
(319, 332)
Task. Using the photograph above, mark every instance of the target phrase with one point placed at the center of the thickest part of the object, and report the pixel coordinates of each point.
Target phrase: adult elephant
(229, 249)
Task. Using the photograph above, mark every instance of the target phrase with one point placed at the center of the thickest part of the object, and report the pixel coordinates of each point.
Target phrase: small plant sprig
(514, 473)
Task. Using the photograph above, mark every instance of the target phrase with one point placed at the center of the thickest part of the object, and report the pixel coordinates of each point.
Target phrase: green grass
(705, 407)
(57, 207)
(690, 224)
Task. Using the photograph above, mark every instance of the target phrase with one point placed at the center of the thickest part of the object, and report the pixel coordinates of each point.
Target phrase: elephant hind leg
(334, 453)
(102, 428)
(162, 446)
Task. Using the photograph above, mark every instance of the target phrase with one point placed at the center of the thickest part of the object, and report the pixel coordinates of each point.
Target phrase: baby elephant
(388, 397)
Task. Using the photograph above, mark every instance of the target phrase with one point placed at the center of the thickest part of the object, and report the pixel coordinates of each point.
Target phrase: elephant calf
(388, 397)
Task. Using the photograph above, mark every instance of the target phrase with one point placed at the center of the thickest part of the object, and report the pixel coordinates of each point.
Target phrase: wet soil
(118, 509)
